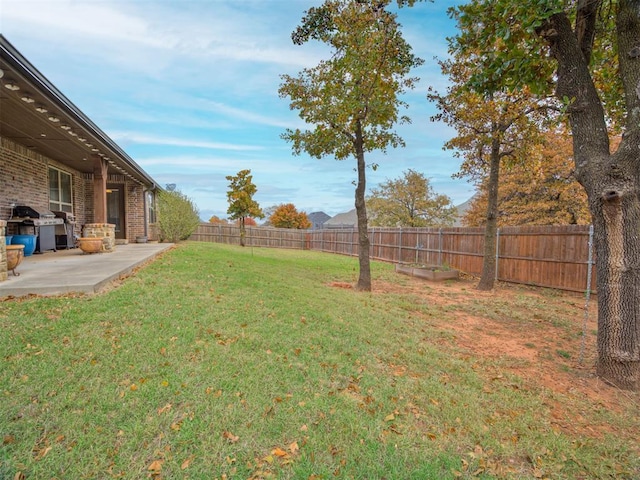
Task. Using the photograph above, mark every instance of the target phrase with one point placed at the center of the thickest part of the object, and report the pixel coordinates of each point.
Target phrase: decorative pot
(29, 242)
(141, 239)
(15, 254)
(90, 244)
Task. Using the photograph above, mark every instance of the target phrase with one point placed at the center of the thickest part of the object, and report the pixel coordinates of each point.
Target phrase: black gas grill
(41, 223)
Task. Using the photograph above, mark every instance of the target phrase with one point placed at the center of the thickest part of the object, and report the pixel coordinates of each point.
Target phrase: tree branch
(586, 16)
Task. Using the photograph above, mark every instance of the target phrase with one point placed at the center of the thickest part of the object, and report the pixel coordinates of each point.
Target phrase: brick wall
(3, 252)
(24, 180)
(135, 208)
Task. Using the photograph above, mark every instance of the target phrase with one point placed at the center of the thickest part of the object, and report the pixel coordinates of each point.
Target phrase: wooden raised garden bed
(428, 272)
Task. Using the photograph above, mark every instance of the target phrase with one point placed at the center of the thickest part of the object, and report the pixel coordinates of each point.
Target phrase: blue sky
(189, 89)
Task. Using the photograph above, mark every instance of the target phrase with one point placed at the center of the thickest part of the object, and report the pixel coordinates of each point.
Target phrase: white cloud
(129, 137)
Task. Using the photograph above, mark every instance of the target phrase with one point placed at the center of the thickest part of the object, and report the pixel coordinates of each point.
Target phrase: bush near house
(178, 216)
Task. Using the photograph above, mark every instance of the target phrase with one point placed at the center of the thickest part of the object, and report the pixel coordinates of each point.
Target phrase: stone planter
(15, 254)
(105, 231)
(428, 272)
(141, 239)
(90, 244)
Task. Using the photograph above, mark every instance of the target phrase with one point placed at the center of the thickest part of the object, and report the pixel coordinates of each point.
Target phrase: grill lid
(66, 216)
(23, 211)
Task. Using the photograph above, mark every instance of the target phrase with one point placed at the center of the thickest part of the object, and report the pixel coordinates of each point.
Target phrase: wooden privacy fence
(255, 236)
(549, 256)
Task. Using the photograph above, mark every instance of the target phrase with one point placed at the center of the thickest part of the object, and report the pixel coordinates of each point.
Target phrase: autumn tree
(217, 220)
(353, 98)
(286, 215)
(595, 48)
(241, 202)
(248, 222)
(409, 201)
(496, 126)
(542, 191)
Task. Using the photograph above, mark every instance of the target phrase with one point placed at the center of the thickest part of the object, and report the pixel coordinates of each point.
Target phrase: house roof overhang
(36, 115)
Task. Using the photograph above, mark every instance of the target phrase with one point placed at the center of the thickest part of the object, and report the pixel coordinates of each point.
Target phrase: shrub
(178, 216)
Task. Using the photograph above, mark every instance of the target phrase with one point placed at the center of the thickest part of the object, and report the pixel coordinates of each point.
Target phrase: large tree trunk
(612, 183)
(491, 228)
(364, 280)
(616, 217)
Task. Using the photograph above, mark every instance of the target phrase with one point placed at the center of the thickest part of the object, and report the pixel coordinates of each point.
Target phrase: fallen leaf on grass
(209, 391)
(278, 452)
(187, 462)
(230, 437)
(43, 453)
(156, 466)
(164, 409)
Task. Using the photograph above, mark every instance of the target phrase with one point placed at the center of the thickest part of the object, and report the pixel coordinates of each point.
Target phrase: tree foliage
(409, 201)
(286, 215)
(496, 126)
(542, 191)
(588, 53)
(241, 202)
(217, 220)
(353, 98)
(248, 222)
(178, 216)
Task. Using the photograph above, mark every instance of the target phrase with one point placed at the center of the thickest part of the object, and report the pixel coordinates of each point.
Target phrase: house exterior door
(115, 208)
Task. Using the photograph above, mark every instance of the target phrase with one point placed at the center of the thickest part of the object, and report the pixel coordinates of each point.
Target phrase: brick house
(54, 158)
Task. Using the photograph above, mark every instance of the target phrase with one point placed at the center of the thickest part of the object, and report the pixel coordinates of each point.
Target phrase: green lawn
(220, 362)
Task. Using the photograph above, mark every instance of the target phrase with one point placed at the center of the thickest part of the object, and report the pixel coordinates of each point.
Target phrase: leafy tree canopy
(543, 191)
(409, 201)
(359, 88)
(240, 196)
(287, 216)
(217, 220)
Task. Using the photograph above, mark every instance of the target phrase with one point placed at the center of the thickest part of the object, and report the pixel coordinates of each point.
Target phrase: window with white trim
(60, 191)
(151, 207)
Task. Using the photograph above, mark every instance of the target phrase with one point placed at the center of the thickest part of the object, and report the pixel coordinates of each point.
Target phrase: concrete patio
(72, 271)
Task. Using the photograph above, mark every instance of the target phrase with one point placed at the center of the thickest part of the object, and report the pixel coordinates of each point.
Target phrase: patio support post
(99, 190)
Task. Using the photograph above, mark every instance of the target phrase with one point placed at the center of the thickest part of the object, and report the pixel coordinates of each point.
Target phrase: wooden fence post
(497, 251)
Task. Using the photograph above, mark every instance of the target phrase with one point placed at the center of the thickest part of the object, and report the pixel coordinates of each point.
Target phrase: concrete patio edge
(72, 271)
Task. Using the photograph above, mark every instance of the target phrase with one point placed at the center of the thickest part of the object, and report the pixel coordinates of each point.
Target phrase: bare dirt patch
(535, 334)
